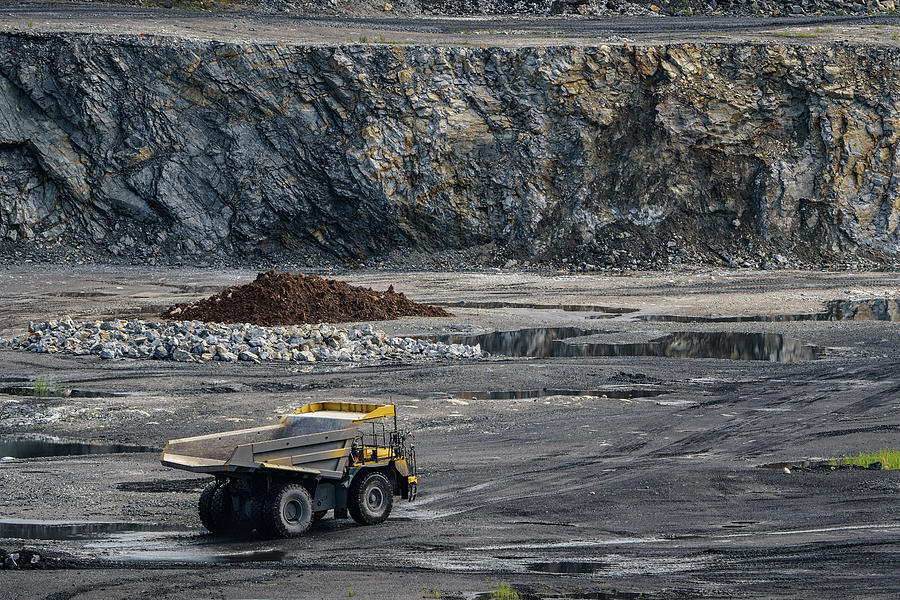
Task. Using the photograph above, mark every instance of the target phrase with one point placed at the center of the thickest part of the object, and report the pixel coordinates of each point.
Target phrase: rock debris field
(276, 317)
(188, 341)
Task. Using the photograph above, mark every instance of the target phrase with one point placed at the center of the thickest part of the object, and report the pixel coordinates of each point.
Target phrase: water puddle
(819, 466)
(544, 342)
(567, 567)
(739, 524)
(40, 447)
(58, 391)
(80, 294)
(881, 309)
(614, 394)
(35, 392)
(131, 542)
(193, 557)
(564, 307)
(66, 530)
(537, 342)
(524, 594)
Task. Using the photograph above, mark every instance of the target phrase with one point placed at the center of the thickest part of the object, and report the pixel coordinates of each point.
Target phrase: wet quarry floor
(641, 472)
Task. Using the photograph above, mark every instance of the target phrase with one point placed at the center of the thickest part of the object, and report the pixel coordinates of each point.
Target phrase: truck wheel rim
(293, 511)
(375, 498)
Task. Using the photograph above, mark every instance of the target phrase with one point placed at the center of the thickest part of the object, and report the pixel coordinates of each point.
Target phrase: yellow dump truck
(342, 456)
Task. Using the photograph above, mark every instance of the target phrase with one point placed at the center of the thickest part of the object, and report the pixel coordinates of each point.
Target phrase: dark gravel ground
(661, 496)
(254, 26)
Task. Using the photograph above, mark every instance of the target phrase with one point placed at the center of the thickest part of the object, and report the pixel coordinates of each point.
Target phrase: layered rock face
(161, 147)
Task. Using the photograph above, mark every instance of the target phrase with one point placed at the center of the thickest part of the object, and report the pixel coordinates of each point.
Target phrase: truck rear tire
(215, 507)
(288, 510)
(370, 498)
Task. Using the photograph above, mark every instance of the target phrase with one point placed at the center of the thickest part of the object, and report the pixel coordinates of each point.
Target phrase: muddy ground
(656, 489)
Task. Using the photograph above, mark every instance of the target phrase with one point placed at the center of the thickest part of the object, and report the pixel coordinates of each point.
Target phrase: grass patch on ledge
(889, 459)
(793, 34)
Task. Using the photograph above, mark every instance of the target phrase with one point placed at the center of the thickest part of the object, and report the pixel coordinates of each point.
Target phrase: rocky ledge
(196, 341)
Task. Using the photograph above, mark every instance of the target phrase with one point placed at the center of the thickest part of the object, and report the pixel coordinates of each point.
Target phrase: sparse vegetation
(796, 34)
(351, 592)
(30, 23)
(434, 594)
(181, 4)
(43, 388)
(889, 459)
(504, 591)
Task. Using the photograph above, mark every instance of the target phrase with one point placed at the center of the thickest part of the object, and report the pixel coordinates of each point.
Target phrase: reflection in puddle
(538, 342)
(614, 394)
(36, 447)
(65, 530)
(770, 347)
(131, 542)
(881, 309)
(552, 342)
(565, 567)
(564, 307)
(40, 392)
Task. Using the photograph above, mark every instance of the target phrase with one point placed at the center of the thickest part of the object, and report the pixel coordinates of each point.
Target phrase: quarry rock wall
(159, 147)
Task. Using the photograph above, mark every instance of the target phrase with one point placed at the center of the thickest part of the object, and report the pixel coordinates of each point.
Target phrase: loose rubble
(197, 341)
(23, 559)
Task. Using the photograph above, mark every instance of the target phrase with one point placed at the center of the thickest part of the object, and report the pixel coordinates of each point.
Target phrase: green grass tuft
(889, 459)
(503, 591)
(43, 388)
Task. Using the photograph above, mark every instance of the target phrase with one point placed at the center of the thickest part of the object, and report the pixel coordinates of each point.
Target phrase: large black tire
(215, 507)
(289, 510)
(205, 505)
(370, 498)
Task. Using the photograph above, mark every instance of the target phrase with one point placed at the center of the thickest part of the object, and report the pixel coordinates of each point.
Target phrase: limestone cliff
(164, 147)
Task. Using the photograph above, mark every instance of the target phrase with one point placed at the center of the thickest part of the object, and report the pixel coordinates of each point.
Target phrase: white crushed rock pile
(197, 341)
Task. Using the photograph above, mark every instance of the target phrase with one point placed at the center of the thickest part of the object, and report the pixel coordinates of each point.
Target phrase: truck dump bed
(316, 440)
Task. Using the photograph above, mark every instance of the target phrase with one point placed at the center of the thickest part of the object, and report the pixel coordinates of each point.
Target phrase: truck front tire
(288, 510)
(370, 498)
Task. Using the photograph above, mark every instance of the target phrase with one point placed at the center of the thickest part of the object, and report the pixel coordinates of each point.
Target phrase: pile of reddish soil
(289, 299)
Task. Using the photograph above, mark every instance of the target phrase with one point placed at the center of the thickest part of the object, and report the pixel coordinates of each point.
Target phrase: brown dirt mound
(292, 299)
